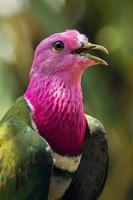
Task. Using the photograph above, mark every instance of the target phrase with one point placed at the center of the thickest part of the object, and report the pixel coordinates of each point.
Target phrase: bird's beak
(88, 48)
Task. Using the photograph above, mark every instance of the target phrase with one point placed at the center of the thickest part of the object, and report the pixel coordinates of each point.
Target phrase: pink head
(58, 54)
(54, 90)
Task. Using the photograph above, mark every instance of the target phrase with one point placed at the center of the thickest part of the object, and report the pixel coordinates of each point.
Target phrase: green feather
(25, 157)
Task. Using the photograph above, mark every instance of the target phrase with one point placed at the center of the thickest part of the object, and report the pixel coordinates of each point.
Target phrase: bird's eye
(58, 46)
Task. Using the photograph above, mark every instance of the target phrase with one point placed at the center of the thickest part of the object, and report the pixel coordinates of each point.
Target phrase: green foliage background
(108, 91)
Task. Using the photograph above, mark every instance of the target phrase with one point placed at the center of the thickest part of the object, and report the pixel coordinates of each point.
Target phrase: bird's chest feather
(58, 114)
(63, 171)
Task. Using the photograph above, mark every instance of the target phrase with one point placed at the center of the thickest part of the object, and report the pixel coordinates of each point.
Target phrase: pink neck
(58, 112)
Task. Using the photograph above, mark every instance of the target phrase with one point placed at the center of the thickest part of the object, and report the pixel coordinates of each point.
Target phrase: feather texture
(25, 157)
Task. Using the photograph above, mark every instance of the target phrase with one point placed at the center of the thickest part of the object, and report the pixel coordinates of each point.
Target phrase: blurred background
(108, 91)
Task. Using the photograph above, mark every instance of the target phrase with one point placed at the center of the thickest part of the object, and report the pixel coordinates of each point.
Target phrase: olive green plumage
(25, 157)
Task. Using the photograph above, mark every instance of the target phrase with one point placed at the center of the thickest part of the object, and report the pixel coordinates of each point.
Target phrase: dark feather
(89, 179)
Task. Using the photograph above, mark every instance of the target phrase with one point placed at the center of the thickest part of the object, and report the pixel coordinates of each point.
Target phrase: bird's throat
(57, 111)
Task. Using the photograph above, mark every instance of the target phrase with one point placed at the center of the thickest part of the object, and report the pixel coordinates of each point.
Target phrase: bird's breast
(58, 187)
(63, 171)
(57, 111)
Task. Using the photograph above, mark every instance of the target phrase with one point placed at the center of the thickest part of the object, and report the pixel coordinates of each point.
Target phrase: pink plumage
(55, 93)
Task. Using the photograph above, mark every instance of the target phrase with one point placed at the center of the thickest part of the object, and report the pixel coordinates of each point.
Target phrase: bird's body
(55, 118)
(57, 102)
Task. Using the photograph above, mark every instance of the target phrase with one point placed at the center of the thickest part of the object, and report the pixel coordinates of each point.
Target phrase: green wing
(25, 157)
